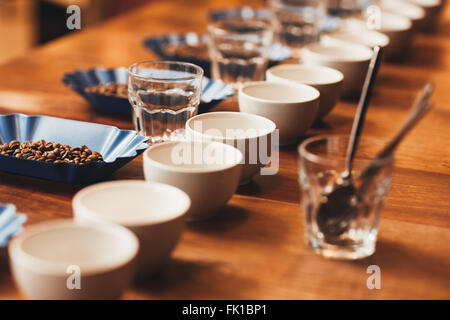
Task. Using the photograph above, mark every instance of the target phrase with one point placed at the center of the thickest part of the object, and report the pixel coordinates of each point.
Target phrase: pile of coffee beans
(196, 51)
(110, 89)
(50, 152)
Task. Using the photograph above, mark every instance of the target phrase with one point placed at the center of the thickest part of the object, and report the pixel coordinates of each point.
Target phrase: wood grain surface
(255, 249)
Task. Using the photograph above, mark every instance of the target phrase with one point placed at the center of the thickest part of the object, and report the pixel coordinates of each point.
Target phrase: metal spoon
(420, 108)
(334, 208)
(350, 201)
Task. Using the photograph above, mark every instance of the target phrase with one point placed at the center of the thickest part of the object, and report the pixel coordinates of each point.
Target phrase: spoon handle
(362, 109)
(419, 109)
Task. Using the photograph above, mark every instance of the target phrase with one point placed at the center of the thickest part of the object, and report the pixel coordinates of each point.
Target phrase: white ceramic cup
(399, 30)
(251, 134)
(432, 9)
(327, 80)
(362, 36)
(61, 259)
(155, 212)
(209, 172)
(408, 9)
(350, 59)
(292, 106)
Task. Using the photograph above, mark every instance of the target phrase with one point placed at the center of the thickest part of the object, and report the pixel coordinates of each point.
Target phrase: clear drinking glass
(322, 161)
(344, 8)
(239, 49)
(348, 11)
(297, 22)
(164, 95)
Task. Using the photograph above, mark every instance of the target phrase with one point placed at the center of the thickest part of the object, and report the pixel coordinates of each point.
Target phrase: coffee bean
(14, 144)
(110, 89)
(50, 152)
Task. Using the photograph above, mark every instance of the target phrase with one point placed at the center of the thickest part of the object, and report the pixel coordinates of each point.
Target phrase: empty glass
(322, 161)
(348, 11)
(239, 49)
(297, 22)
(344, 8)
(164, 95)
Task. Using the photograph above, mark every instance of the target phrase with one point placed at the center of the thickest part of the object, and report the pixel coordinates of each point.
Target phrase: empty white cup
(61, 259)
(399, 30)
(251, 134)
(350, 59)
(155, 212)
(327, 80)
(362, 36)
(405, 8)
(292, 106)
(432, 9)
(209, 172)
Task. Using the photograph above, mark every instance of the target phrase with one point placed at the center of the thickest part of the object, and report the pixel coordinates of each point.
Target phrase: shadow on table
(227, 218)
(392, 256)
(426, 55)
(394, 80)
(5, 273)
(185, 279)
(260, 185)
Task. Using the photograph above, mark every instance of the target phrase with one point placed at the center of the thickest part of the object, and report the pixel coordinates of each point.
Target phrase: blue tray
(78, 80)
(10, 223)
(277, 52)
(116, 146)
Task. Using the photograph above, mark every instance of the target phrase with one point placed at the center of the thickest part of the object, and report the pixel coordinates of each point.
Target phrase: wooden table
(255, 248)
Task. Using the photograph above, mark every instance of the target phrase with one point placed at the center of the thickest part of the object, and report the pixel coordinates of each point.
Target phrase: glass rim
(167, 62)
(303, 152)
(280, 4)
(213, 27)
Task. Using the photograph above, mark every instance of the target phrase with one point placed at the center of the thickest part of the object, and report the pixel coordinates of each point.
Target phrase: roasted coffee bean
(110, 89)
(50, 152)
(14, 144)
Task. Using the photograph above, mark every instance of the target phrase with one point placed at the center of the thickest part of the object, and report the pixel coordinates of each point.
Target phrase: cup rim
(231, 113)
(199, 74)
(174, 168)
(303, 153)
(41, 265)
(213, 26)
(406, 23)
(337, 36)
(416, 12)
(293, 85)
(304, 68)
(311, 50)
(77, 202)
(427, 4)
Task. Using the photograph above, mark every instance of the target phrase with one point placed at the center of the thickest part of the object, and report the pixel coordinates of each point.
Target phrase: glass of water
(297, 22)
(239, 49)
(347, 8)
(349, 11)
(164, 95)
(322, 162)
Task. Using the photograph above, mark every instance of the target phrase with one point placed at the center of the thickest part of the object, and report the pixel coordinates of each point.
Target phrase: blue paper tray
(277, 52)
(10, 223)
(116, 146)
(78, 80)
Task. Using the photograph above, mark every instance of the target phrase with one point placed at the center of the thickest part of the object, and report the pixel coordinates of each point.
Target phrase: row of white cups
(126, 228)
